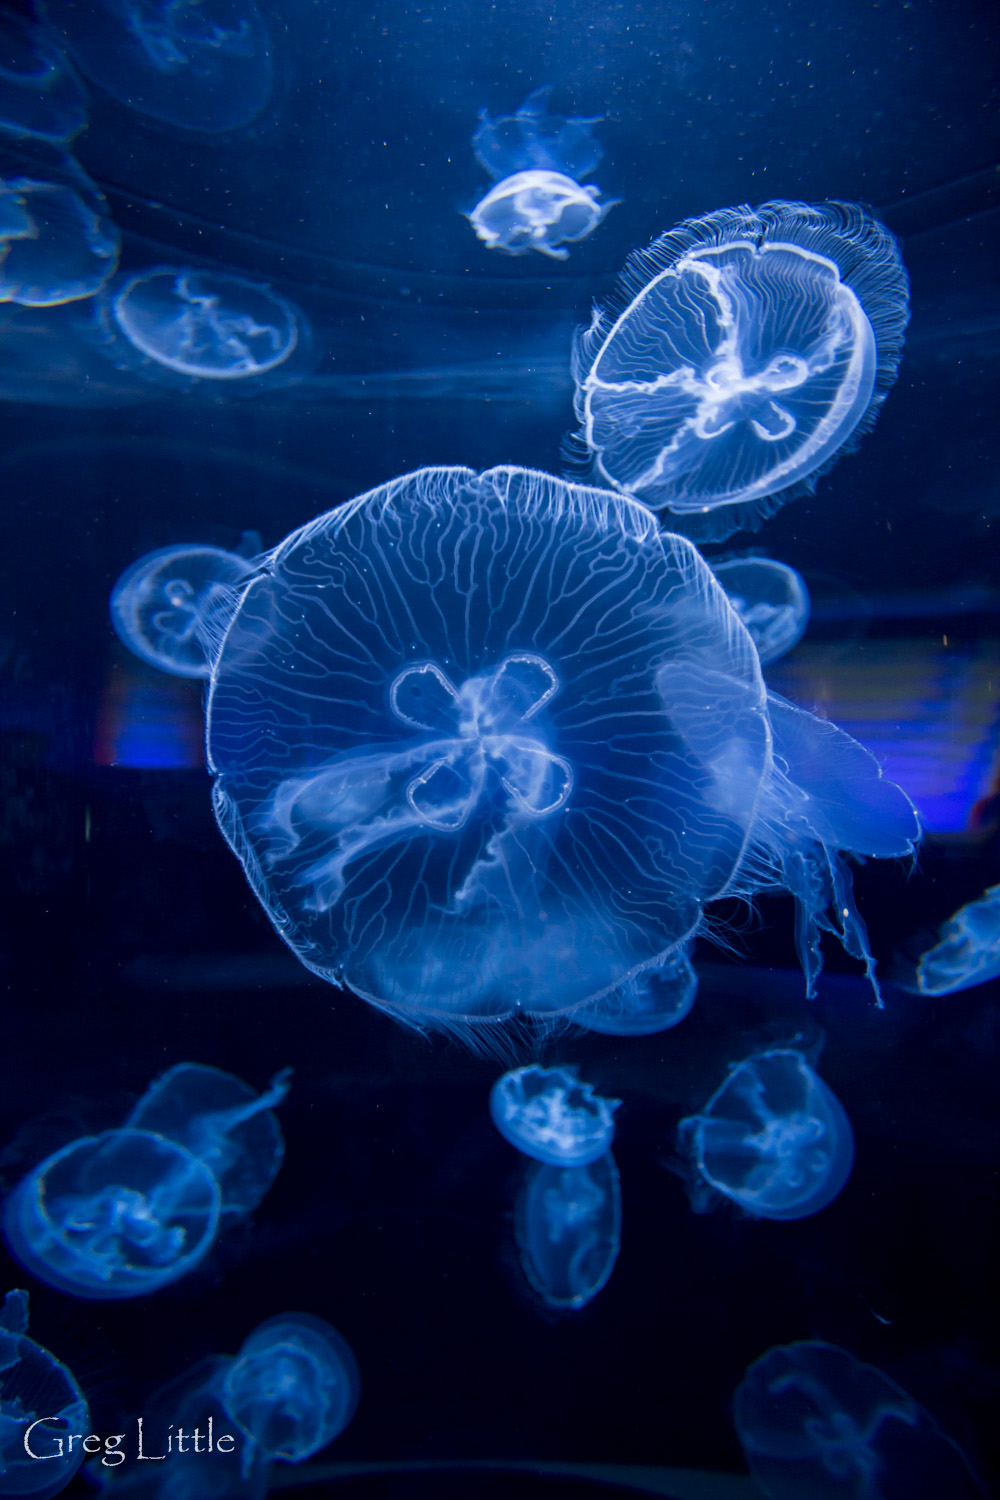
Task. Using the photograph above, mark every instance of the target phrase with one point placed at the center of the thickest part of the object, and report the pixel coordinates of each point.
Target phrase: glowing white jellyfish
(171, 607)
(536, 159)
(57, 240)
(742, 353)
(770, 598)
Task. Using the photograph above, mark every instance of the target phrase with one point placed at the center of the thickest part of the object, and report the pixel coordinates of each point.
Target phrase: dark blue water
(131, 939)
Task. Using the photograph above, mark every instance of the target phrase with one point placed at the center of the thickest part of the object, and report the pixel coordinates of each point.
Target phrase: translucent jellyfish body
(41, 1408)
(549, 1114)
(569, 1223)
(489, 744)
(292, 1389)
(124, 1213)
(741, 355)
(773, 1138)
(536, 160)
(184, 328)
(817, 1424)
(967, 952)
(201, 64)
(770, 598)
(40, 95)
(170, 606)
(57, 241)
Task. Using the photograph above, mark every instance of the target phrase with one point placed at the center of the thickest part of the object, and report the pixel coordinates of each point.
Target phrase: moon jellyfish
(124, 1213)
(817, 1424)
(536, 159)
(292, 1389)
(171, 606)
(40, 95)
(183, 328)
(43, 1413)
(569, 1223)
(742, 354)
(549, 1114)
(770, 598)
(57, 241)
(201, 64)
(650, 1002)
(489, 744)
(773, 1138)
(967, 951)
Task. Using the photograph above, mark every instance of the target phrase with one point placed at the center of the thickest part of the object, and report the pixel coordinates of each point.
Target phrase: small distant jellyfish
(770, 598)
(292, 1389)
(489, 745)
(127, 1212)
(817, 1424)
(550, 1115)
(536, 160)
(170, 606)
(40, 95)
(569, 1230)
(185, 329)
(57, 240)
(41, 1409)
(773, 1138)
(743, 353)
(204, 65)
(967, 952)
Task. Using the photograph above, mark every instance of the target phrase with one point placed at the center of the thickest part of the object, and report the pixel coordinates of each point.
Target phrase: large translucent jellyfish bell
(569, 1230)
(41, 1409)
(292, 1389)
(770, 598)
(40, 95)
(185, 328)
(967, 952)
(742, 354)
(550, 1115)
(491, 744)
(125, 1213)
(536, 160)
(172, 606)
(202, 64)
(773, 1138)
(815, 1422)
(57, 240)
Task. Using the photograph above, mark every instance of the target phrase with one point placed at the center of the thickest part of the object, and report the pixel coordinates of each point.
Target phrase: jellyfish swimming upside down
(488, 745)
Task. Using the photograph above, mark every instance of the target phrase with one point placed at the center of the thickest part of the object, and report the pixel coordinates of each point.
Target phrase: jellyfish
(292, 1389)
(536, 160)
(773, 1138)
(743, 353)
(40, 95)
(569, 1230)
(126, 1212)
(489, 745)
(550, 1115)
(57, 240)
(204, 65)
(43, 1413)
(186, 328)
(770, 598)
(652, 1001)
(967, 952)
(170, 605)
(817, 1424)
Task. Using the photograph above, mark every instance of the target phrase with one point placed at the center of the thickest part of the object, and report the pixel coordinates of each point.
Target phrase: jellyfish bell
(770, 598)
(550, 1115)
(743, 353)
(203, 65)
(772, 1138)
(568, 1225)
(488, 745)
(40, 94)
(171, 607)
(41, 1406)
(58, 242)
(205, 330)
(537, 160)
